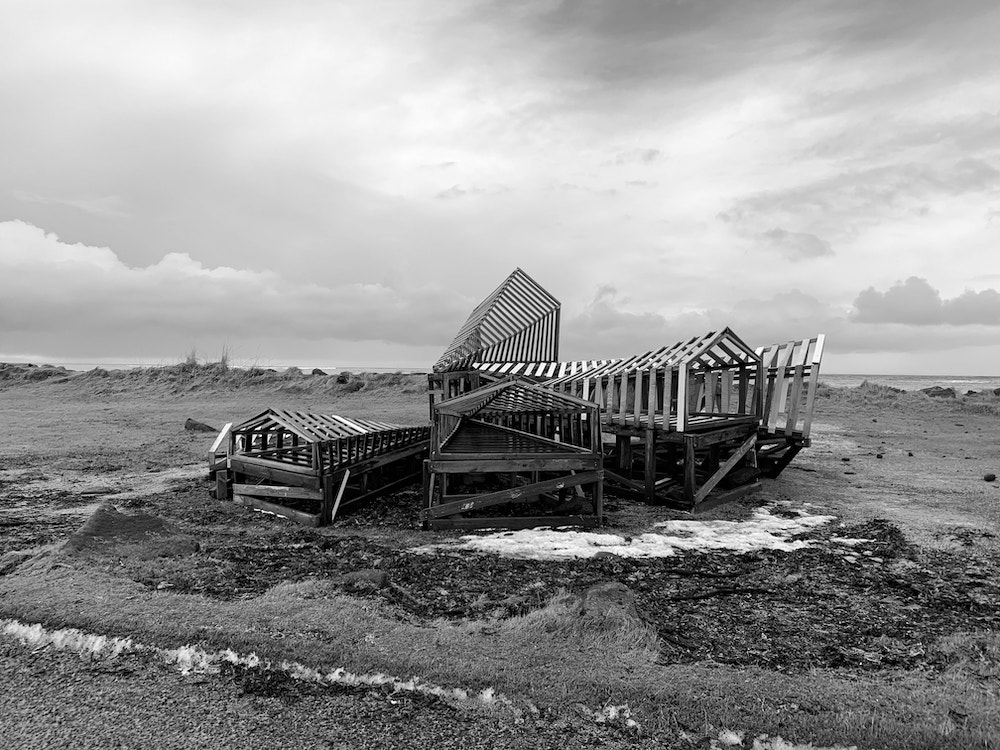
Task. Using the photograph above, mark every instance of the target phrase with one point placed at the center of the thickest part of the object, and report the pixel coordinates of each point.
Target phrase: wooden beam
(306, 519)
(266, 490)
(511, 494)
(720, 474)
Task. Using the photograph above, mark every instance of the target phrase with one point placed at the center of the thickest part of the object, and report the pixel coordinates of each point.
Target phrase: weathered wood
(240, 465)
(286, 468)
(725, 468)
(503, 496)
(306, 519)
(265, 490)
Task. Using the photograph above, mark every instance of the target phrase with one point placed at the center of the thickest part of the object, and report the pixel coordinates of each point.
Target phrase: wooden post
(623, 444)
(650, 465)
(690, 476)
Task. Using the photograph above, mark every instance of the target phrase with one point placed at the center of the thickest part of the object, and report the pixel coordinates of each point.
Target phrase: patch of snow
(729, 738)
(194, 660)
(763, 530)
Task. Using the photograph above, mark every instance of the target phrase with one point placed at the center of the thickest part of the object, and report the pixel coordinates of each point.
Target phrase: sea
(961, 383)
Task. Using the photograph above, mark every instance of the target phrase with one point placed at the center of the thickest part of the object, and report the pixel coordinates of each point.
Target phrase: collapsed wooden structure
(690, 409)
(791, 375)
(514, 443)
(308, 467)
(694, 424)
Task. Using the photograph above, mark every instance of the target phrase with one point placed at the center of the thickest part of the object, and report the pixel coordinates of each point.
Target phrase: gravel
(54, 699)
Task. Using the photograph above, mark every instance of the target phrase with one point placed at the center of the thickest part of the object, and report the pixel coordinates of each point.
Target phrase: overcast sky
(342, 182)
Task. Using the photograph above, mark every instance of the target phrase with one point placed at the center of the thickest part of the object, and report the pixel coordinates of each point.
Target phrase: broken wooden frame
(691, 407)
(790, 373)
(531, 443)
(308, 467)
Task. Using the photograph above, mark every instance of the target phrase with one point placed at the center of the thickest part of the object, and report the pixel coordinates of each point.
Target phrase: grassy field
(895, 649)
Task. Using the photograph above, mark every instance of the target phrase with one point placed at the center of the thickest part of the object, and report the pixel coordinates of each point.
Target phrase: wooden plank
(281, 466)
(649, 468)
(690, 469)
(340, 495)
(682, 405)
(238, 466)
(265, 490)
(721, 498)
(794, 399)
(726, 467)
(223, 434)
(513, 493)
(306, 519)
(478, 465)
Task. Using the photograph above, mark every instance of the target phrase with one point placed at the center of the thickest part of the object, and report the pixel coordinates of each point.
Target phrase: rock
(936, 391)
(367, 579)
(317, 371)
(996, 391)
(878, 455)
(343, 378)
(612, 601)
(990, 477)
(970, 393)
(194, 425)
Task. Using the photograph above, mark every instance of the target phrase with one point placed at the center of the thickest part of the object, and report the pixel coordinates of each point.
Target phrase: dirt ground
(903, 473)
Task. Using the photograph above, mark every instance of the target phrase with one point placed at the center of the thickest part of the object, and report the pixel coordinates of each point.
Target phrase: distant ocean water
(961, 383)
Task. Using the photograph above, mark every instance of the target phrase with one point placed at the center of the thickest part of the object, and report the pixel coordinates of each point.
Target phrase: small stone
(990, 477)
(878, 455)
(194, 425)
(317, 371)
(845, 459)
(910, 454)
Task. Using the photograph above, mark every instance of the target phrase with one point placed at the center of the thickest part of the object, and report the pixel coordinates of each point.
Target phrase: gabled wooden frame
(786, 400)
(328, 462)
(542, 442)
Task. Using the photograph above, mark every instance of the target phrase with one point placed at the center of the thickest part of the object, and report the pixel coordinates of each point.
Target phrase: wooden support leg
(650, 466)
(326, 504)
(599, 498)
(428, 489)
(623, 444)
(223, 485)
(774, 466)
(689, 470)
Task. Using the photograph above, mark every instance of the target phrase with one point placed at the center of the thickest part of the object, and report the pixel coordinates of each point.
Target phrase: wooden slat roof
(518, 320)
(314, 427)
(542, 370)
(710, 351)
(513, 397)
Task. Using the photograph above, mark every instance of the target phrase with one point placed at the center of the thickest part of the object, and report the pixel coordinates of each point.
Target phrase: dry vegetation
(896, 650)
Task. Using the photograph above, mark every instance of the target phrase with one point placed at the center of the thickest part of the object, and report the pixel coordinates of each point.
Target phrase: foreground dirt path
(60, 700)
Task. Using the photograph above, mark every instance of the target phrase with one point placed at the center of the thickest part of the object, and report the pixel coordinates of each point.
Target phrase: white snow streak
(764, 530)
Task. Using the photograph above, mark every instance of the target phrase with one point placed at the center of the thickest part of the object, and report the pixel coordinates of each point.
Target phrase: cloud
(842, 204)
(105, 205)
(71, 296)
(797, 245)
(916, 302)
